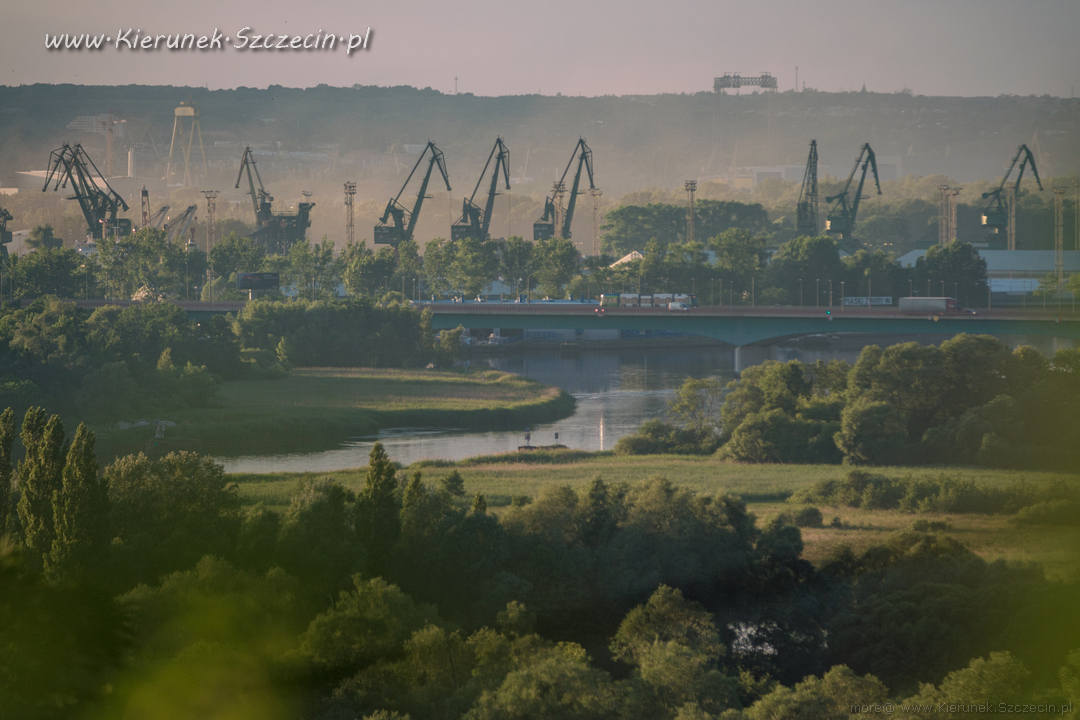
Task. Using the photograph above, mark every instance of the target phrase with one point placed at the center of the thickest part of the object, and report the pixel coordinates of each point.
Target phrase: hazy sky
(584, 47)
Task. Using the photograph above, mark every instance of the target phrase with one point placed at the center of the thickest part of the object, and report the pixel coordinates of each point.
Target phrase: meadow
(316, 408)
(765, 489)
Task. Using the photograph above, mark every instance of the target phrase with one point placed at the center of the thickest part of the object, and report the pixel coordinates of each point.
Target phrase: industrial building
(1013, 275)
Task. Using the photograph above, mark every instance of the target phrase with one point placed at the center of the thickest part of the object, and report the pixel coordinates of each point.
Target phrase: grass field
(313, 409)
(764, 488)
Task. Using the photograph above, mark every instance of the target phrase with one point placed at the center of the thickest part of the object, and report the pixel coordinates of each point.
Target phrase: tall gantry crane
(71, 164)
(1001, 211)
(841, 218)
(404, 219)
(474, 222)
(276, 231)
(806, 212)
(554, 217)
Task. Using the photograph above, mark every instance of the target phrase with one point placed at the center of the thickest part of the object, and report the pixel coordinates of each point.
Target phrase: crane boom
(996, 214)
(544, 228)
(179, 226)
(841, 219)
(260, 199)
(405, 220)
(806, 212)
(71, 164)
(475, 222)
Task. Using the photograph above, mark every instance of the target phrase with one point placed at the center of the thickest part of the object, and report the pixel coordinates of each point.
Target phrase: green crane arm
(584, 160)
(257, 198)
(436, 159)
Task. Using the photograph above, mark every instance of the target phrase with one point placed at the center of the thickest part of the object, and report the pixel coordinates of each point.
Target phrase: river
(616, 392)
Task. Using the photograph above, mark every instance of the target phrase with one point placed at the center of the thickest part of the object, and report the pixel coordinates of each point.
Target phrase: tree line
(972, 401)
(112, 363)
(150, 588)
(733, 267)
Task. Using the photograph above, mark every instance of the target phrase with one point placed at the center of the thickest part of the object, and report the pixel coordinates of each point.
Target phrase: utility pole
(1059, 235)
(691, 188)
(350, 193)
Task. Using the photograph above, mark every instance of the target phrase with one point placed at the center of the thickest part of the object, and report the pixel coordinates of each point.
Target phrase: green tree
(872, 433)
(48, 271)
(475, 264)
(438, 266)
(805, 259)
(454, 484)
(830, 697)
(42, 238)
(7, 471)
(234, 253)
(696, 405)
(40, 476)
(556, 264)
(379, 514)
(81, 514)
(517, 262)
(957, 266)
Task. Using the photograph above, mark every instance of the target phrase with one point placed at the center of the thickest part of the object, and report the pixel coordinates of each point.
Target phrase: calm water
(616, 392)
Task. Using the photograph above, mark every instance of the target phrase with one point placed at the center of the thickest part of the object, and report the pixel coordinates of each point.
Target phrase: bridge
(744, 327)
(750, 327)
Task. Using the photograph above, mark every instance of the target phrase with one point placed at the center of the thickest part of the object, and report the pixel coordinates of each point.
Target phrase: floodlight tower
(350, 230)
(691, 188)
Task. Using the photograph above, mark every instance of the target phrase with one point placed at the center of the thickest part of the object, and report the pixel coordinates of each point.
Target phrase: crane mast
(1000, 211)
(806, 212)
(544, 228)
(405, 220)
(71, 164)
(475, 222)
(841, 219)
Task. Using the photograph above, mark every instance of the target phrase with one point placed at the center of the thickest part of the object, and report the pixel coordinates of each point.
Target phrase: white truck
(929, 305)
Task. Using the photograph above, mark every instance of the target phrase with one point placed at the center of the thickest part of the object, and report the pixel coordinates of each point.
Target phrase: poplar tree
(80, 513)
(40, 475)
(378, 507)
(7, 440)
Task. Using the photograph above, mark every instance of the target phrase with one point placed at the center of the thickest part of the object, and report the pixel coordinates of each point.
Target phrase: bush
(808, 517)
(873, 433)
(1050, 512)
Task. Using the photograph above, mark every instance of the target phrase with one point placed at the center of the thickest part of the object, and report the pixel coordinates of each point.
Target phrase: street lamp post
(817, 292)
(800, 292)
(830, 293)
(841, 296)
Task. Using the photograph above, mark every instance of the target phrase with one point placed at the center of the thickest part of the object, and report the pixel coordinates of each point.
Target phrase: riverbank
(316, 409)
(765, 489)
(533, 347)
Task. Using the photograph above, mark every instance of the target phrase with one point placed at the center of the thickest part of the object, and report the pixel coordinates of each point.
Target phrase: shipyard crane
(806, 212)
(404, 219)
(178, 227)
(474, 222)
(71, 164)
(841, 219)
(1001, 211)
(545, 227)
(276, 232)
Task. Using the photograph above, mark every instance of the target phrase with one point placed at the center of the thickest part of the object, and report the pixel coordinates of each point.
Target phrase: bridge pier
(750, 355)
